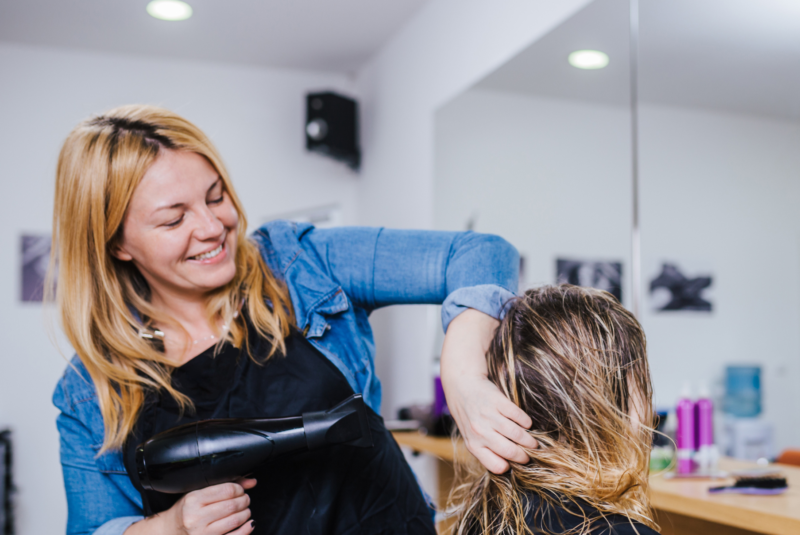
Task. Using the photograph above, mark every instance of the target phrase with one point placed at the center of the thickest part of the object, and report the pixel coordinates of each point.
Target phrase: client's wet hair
(574, 360)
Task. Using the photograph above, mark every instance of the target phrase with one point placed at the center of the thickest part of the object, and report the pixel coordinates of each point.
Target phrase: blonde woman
(176, 315)
(575, 361)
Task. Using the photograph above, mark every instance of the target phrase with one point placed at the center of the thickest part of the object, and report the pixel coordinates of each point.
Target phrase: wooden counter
(683, 506)
(777, 515)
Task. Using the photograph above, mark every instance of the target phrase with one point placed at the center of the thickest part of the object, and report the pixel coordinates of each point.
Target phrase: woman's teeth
(210, 254)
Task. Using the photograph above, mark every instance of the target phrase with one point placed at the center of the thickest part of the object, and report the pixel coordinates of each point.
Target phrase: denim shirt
(335, 278)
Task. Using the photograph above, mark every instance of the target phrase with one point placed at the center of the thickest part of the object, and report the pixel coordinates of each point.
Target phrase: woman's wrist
(164, 523)
(465, 344)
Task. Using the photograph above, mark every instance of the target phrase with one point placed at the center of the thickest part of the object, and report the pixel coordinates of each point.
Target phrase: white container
(748, 438)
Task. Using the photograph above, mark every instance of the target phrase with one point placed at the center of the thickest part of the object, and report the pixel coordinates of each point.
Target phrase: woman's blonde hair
(104, 302)
(575, 361)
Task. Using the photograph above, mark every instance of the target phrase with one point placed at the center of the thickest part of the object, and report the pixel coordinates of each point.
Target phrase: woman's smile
(214, 256)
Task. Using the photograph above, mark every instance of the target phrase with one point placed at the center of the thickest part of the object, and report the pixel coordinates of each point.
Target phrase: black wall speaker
(332, 127)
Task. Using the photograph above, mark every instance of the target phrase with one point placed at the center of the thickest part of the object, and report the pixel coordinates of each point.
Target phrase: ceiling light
(169, 9)
(588, 59)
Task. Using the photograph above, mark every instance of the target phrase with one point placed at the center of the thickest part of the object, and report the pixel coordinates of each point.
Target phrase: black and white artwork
(672, 290)
(591, 273)
(35, 259)
(6, 485)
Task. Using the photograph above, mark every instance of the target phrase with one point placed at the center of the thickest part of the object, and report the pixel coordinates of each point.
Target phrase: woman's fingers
(490, 460)
(229, 523)
(512, 412)
(491, 426)
(509, 429)
(217, 493)
(501, 446)
(220, 510)
(215, 510)
(247, 483)
(244, 529)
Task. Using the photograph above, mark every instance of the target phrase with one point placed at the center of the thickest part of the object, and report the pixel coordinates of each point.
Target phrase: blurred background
(471, 114)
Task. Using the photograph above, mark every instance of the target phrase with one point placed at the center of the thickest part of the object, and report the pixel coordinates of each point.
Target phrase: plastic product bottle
(704, 423)
(685, 436)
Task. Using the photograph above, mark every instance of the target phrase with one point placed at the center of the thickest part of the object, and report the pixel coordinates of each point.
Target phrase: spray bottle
(685, 436)
(704, 438)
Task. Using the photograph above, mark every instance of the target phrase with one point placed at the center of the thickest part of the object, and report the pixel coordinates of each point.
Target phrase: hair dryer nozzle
(346, 423)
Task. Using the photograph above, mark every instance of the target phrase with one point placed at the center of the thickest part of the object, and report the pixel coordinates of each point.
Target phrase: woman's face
(180, 227)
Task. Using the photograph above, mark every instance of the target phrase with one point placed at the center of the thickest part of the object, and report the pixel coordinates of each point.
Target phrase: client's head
(575, 360)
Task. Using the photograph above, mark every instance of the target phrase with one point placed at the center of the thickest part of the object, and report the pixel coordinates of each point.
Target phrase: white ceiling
(735, 55)
(333, 35)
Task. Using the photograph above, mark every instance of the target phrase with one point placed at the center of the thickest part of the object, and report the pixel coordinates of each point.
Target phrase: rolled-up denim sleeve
(95, 503)
(379, 267)
(117, 526)
(488, 298)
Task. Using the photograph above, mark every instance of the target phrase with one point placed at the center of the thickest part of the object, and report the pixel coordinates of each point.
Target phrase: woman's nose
(209, 226)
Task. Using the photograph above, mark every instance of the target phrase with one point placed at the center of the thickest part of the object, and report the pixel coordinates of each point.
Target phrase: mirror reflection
(719, 131)
(540, 151)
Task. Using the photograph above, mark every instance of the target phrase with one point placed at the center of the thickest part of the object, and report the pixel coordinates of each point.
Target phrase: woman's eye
(216, 201)
(174, 223)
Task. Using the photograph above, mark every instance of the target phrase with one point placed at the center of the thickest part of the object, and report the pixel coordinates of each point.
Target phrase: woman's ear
(119, 252)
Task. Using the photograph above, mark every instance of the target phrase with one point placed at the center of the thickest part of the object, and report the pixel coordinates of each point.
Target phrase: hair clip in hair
(151, 335)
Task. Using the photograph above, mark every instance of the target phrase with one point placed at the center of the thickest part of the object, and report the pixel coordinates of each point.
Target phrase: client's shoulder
(559, 514)
(620, 525)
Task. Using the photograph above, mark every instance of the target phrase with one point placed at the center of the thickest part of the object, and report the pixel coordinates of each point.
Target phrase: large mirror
(720, 187)
(540, 152)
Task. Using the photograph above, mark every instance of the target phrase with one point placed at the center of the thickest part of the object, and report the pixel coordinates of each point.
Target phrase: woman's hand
(492, 426)
(216, 510)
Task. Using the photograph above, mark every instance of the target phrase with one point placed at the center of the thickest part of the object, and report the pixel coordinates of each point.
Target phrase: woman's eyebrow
(214, 185)
(180, 204)
(176, 205)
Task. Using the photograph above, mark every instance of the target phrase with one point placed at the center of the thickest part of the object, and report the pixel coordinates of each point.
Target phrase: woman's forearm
(493, 428)
(466, 343)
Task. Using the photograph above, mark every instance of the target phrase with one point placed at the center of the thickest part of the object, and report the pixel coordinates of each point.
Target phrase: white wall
(551, 176)
(254, 116)
(719, 191)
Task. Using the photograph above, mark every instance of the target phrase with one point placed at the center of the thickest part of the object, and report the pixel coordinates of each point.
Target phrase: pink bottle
(704, 424)
(685, 435)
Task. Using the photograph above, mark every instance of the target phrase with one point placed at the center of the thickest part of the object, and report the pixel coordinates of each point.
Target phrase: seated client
(575, 360)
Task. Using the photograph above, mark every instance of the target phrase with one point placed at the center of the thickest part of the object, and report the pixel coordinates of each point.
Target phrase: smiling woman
(167, 198)
(177, 316)
(180, 232)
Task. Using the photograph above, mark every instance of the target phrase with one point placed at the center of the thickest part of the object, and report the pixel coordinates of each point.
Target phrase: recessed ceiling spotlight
(169, 9)
(588, 59)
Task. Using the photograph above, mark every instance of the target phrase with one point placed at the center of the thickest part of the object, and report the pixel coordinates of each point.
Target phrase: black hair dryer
(209, 452)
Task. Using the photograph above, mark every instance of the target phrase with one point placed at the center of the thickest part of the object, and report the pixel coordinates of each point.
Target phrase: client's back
(575, 360)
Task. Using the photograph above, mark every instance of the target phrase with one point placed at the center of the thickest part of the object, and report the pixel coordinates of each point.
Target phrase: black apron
(335, 490)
